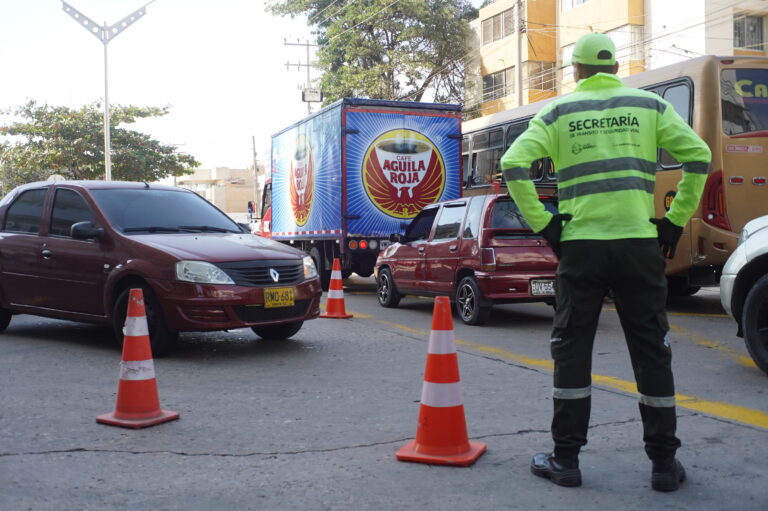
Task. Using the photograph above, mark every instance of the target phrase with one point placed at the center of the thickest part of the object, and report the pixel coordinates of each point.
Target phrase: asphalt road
(314, 422)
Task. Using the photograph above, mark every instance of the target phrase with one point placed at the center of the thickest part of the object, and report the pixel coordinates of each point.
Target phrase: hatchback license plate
(543, 287)
(278, 297)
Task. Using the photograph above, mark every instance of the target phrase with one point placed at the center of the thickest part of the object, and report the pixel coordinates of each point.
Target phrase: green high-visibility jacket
(603, 140)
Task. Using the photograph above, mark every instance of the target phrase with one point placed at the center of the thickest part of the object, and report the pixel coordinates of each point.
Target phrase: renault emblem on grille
(273, 273)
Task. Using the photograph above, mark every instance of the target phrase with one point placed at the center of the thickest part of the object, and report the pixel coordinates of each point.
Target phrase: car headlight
(309, 268)
(201, 272)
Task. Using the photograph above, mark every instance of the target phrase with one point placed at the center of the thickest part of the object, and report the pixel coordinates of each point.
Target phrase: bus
(725, 100)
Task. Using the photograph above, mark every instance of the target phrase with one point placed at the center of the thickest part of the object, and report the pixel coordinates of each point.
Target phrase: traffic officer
(603, 140)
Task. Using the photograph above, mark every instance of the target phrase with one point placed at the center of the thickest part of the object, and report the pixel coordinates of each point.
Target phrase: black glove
(669, 235)
(552, 231)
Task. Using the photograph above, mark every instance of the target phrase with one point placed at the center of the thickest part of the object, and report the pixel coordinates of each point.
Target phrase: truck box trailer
(347, 177)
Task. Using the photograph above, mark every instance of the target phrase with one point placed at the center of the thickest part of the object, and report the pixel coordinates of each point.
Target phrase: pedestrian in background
(603, 140)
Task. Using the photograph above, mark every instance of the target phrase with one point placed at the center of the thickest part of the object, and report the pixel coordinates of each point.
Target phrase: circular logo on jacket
(300, 181)
(402, 172)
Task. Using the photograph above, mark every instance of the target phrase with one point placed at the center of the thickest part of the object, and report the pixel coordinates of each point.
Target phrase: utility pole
(308, 65)
(105, 34)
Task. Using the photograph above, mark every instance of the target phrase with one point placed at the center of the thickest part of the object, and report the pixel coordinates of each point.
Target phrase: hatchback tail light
(487, 259)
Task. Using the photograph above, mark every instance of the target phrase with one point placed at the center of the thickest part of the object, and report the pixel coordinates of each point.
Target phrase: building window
(628, 40)
(566, 56)
(570, 4)
(498, 26)
(748, 33)
(541, 75)
(499, 84)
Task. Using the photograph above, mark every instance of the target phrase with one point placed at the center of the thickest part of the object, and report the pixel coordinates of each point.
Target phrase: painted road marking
(719, 409)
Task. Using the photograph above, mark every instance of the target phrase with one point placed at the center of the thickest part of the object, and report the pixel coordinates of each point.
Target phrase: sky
(219, 64)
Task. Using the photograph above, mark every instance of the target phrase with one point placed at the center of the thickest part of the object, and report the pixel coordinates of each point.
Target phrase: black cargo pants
(633, 269)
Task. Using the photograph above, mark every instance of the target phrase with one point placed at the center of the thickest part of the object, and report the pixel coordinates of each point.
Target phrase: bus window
(487, 149)
(744, 96)
(515, 131)
(680, 97)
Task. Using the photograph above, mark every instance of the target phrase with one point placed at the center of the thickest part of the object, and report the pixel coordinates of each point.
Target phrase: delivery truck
(357, 171)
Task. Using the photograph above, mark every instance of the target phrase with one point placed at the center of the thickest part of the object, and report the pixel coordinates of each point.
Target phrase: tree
(59, 140)
(386, 49)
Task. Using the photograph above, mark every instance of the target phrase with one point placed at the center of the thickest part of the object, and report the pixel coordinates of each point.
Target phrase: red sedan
(73, 250)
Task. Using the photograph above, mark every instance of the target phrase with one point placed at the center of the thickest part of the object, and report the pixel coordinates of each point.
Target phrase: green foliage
(388, 50)
(58, 140)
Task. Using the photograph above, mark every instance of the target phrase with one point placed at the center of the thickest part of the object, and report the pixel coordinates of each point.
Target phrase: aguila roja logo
(301, 180)
(403, 172)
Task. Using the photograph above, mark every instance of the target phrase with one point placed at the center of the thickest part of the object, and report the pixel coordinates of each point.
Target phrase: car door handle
(453, 248)
(47, 254)
(421, 250)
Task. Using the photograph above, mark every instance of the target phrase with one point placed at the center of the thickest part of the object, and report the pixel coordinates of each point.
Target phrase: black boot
(667, 474)
(562, 471)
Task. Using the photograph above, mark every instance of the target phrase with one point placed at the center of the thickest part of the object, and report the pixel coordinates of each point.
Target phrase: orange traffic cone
(138, 404)
(334, 307)
(441, 435)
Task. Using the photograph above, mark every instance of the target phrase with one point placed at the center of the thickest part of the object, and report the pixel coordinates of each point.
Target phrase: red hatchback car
(74, 249)
(477, 250)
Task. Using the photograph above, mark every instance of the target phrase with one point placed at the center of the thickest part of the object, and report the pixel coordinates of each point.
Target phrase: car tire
(161, 339)
(325, 275)
(470, 304)
(754, 323)
(5, 319)
(386, 291)
(277, 332)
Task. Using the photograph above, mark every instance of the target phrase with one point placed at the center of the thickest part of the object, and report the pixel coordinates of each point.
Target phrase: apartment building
(522, 44)
(228, 189)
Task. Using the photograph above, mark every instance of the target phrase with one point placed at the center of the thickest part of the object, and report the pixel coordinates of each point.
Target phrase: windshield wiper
(204, 228)
(152, 228)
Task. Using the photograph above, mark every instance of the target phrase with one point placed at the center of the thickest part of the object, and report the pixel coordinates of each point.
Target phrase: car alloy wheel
(386, 291)
(470, 304)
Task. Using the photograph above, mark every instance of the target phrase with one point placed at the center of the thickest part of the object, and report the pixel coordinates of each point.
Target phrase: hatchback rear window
(506, 215)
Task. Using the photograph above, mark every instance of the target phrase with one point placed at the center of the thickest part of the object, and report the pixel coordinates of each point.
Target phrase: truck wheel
(325, 275)
(161, 339)
(5, 319)
(386, 290)
(277, 332)
(754, 322)
(470, 304)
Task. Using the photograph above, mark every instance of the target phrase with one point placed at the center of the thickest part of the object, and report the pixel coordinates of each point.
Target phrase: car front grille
(258, 273)
(252, 314)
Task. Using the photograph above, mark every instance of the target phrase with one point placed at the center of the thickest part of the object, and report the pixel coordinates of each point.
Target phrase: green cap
(594, 50)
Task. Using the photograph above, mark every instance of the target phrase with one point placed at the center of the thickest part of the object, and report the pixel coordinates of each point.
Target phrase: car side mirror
(396, 238)
(86, 230)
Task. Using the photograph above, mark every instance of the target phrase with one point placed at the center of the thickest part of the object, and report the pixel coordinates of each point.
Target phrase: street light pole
(105, 34)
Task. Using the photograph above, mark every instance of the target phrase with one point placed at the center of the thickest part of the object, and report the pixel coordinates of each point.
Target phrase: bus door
(669, 172)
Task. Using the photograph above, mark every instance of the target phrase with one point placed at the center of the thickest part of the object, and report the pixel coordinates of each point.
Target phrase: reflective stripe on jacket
(603, 140)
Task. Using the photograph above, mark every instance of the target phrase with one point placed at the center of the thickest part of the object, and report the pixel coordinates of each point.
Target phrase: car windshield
(141, 211)
(506, 215)
(745, 100)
